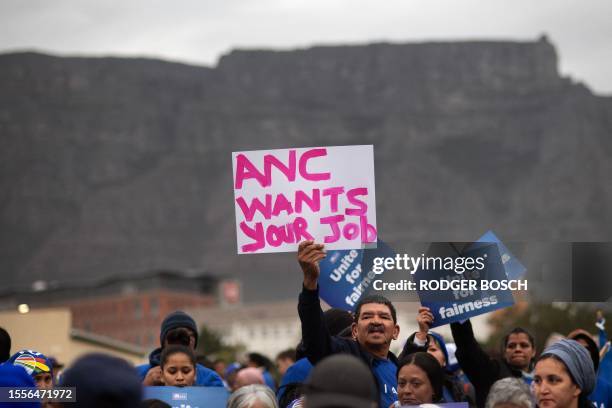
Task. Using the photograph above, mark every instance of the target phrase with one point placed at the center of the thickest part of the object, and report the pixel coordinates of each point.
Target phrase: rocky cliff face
(115, 166)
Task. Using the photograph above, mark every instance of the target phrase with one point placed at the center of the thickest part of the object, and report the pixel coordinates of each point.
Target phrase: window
(137, 309)
(154, 307)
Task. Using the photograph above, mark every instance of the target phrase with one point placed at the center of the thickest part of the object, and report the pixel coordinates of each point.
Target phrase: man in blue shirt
(373, 330)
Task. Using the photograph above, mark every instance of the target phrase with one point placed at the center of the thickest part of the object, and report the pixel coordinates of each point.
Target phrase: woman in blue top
(419, 380)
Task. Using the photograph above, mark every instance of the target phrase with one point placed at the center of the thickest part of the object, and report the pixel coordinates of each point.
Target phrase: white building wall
(268, 337)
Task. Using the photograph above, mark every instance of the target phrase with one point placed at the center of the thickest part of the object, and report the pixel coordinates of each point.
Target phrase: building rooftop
(42, 293)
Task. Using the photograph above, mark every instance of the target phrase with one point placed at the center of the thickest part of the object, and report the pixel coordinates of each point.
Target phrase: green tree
(211, 345)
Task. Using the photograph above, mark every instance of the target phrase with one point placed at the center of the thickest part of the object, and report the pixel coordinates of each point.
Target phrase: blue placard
(347, 275)
(189, 397)
(513, 267)
(605, 366)
(450, 305)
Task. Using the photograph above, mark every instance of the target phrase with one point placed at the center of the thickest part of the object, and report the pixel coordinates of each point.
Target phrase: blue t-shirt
(386, 375)
(269, 380)
(297, 373)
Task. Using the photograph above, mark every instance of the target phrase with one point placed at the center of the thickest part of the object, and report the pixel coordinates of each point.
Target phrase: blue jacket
(205, 377)
(297, 373)
(269, 380)
(318, 344)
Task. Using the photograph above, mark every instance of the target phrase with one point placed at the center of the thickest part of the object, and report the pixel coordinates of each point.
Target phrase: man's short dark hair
(375, 299)
(286, 354)
(260, 360)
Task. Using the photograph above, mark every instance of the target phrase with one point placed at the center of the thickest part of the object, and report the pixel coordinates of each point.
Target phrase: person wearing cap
(177, 328)
(36, 365)
(15, 376)
(341, 381)
(102, 381)
(433, 343)
(373, 329)
(601, 396)
(564, 375)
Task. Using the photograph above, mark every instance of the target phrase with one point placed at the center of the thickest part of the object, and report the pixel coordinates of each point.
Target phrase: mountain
(115, 166)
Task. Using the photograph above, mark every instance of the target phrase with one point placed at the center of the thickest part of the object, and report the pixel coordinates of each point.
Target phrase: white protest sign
(285, 196)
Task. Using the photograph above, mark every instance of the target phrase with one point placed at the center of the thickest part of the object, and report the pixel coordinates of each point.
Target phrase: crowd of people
(343, 360)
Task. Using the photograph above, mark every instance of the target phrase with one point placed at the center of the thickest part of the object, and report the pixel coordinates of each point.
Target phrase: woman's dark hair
(286, 354)
(170, 350)
(180, 335)
(519, 330)
(432, 368)
(153, 403)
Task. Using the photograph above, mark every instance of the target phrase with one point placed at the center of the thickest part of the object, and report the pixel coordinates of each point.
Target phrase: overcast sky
(199, 31)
